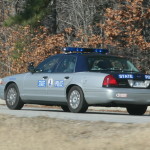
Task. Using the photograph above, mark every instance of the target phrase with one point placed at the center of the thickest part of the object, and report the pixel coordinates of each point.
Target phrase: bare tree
(2, 11)
(77, 14)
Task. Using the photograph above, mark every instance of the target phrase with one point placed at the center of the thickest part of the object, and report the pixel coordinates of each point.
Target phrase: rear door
(60, 79)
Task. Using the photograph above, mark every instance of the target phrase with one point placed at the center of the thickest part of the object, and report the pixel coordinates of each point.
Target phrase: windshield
(111, 64)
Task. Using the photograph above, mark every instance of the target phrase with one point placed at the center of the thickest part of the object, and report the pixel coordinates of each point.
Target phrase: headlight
(1, 81)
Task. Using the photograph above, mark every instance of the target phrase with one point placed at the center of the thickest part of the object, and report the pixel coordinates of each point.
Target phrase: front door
(36, 84)
(34, 87)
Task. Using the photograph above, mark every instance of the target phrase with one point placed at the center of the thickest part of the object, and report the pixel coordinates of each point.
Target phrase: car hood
(15, 77)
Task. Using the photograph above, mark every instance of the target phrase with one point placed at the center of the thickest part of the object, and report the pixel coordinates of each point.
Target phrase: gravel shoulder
(42, 133)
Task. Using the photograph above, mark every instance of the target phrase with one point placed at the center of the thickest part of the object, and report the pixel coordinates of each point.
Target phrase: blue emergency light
(82, 50)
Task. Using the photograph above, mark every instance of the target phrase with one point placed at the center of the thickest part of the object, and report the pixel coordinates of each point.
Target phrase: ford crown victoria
(78, 78)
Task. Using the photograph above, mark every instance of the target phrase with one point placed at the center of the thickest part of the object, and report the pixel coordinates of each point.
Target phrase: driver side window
(48, 65)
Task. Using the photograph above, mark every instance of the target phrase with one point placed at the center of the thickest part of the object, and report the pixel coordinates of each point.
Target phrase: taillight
(109, 81)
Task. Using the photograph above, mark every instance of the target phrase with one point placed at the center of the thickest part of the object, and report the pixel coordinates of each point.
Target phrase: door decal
(41, 83)
(59, 83)
(50, 82)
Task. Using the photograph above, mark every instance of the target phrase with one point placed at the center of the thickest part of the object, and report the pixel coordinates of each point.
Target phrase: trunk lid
(132, 80)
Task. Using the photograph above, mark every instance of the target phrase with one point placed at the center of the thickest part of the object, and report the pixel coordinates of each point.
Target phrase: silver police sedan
(78, 78)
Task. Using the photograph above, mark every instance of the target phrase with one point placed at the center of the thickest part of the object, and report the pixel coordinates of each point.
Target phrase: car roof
(93, 54)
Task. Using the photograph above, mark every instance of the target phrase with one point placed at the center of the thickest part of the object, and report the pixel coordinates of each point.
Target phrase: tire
(65, 108)
(137, 109)
(76, 100)
(12, 97)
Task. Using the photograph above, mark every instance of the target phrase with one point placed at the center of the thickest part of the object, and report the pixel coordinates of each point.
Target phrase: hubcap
(11, 96)
(74, 99)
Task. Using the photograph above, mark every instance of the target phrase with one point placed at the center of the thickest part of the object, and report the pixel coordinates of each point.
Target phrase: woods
(122, 26)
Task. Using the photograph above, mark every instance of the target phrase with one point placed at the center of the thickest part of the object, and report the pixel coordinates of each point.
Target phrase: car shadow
(110, 113)
(88, 112)
(91, 112)
(40, 109)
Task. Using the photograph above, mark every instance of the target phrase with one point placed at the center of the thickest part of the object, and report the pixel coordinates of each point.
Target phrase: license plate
(139, 84)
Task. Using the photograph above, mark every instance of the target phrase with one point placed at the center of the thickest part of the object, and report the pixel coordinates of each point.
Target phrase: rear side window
(67, 65)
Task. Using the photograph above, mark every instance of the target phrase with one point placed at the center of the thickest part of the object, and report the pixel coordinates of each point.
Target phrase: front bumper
(1, 92)
(118, 95)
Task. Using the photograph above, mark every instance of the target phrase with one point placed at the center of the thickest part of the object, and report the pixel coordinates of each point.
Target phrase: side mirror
(31, 67)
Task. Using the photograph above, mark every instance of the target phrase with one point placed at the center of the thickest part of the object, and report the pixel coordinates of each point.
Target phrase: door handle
(66, 77)
(45, 77)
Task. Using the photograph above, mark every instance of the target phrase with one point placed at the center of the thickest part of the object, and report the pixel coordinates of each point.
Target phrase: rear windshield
(110, 64)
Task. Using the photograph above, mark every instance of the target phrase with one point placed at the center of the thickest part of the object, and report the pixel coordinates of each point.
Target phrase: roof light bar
(90, 50)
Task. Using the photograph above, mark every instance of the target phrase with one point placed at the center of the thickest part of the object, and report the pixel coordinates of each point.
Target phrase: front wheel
(76, 100)
(136, 110)
(12, 97)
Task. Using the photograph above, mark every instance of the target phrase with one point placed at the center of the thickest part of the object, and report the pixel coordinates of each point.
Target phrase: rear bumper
(118, 95)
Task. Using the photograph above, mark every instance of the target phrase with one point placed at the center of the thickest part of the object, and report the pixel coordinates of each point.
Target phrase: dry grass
(43, 133)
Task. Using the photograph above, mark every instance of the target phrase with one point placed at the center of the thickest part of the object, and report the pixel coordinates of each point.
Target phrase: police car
(78, 78)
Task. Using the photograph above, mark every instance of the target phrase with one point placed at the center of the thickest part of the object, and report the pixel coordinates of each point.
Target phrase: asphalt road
(106, 116)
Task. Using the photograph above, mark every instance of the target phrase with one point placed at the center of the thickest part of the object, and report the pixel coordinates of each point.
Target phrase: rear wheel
(76, 100)
(136, 110)
(12, 97)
